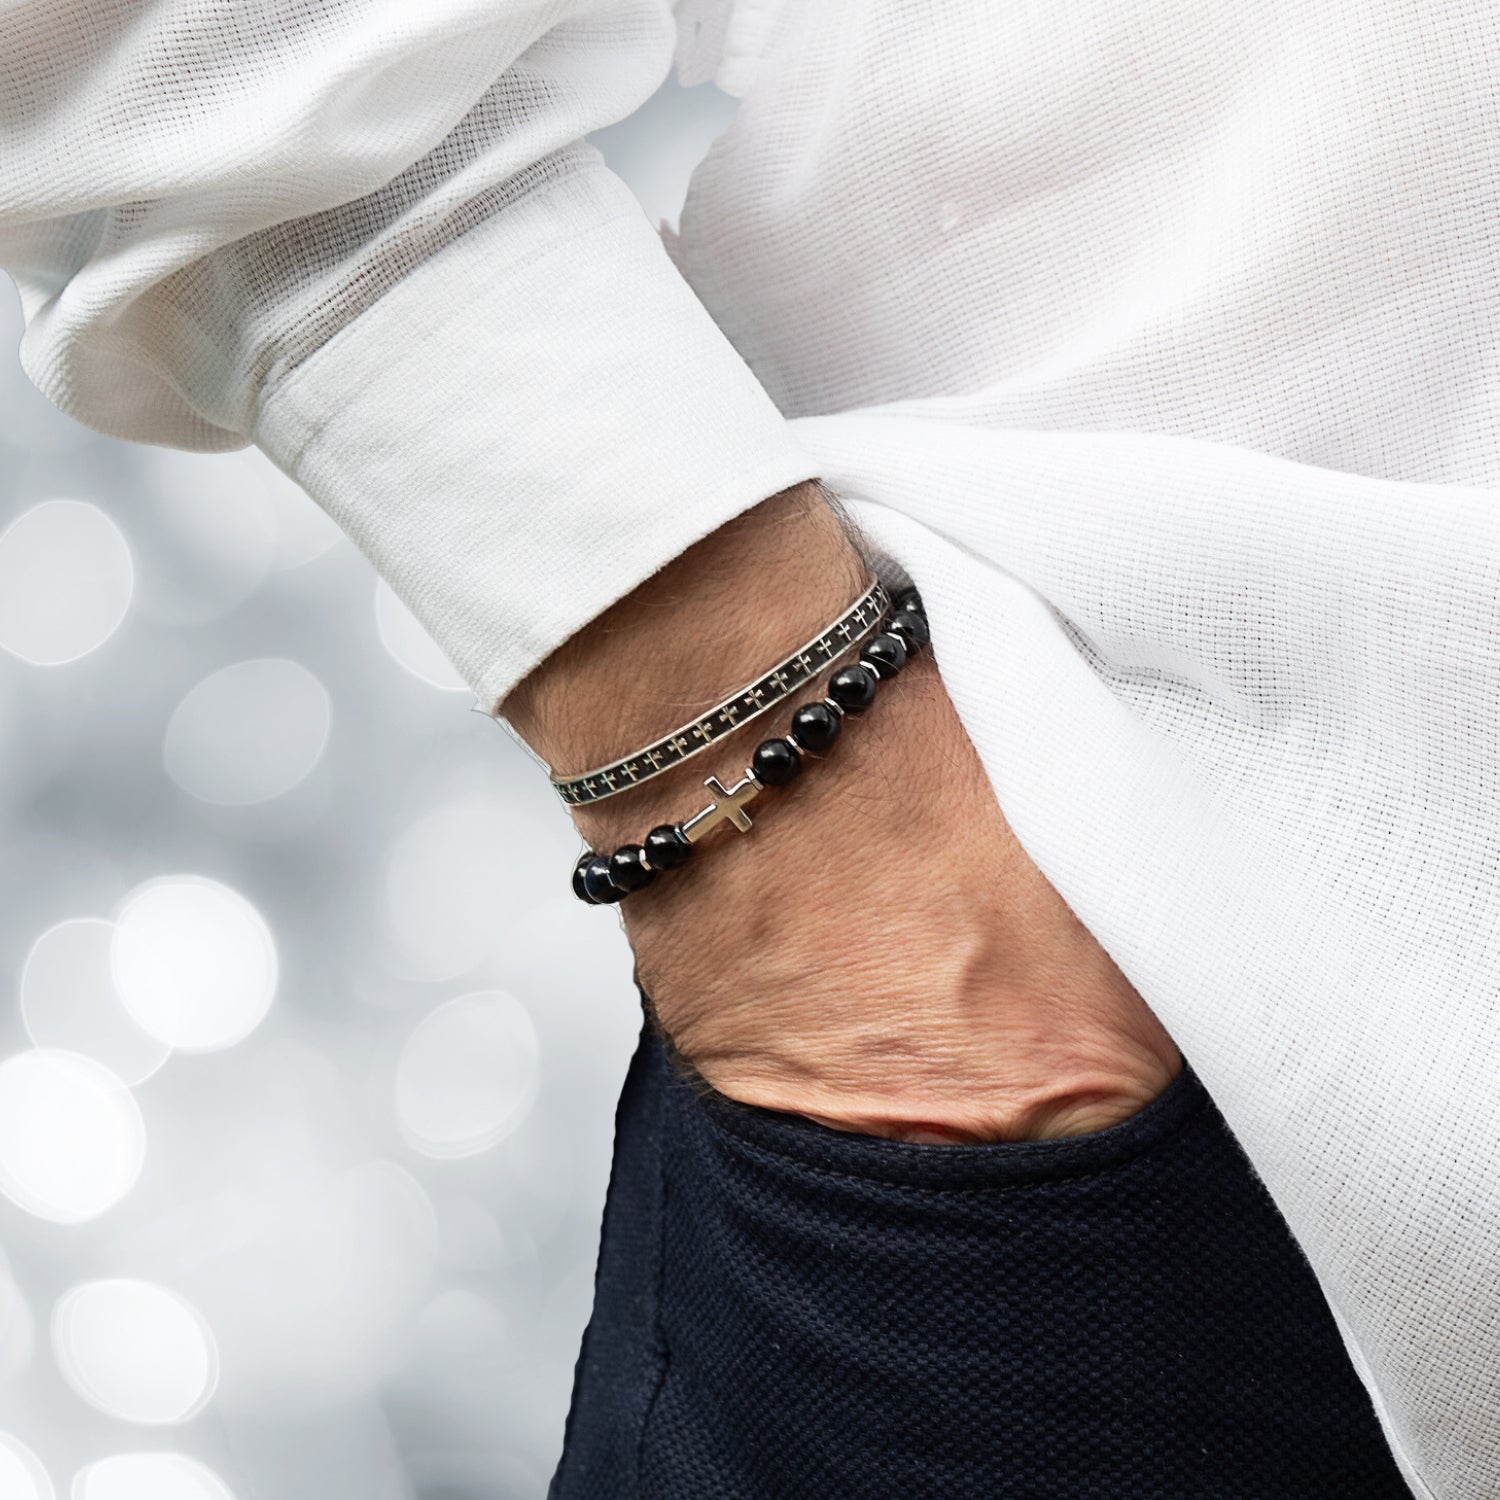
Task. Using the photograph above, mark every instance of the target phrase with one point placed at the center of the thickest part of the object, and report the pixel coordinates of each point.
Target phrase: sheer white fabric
(1156, 340)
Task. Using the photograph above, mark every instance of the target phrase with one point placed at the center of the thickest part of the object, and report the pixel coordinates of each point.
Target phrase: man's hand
(878, 953)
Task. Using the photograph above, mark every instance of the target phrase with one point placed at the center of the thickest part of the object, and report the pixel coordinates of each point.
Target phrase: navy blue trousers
(785, 1310)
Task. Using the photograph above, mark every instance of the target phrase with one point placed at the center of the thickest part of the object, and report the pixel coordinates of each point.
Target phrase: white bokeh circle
(406, 638)
(149, 1476)
(22, 1476)
(248, 732)
(194, 962)
(135, 1350)
(66, 580)
(72, 1141)
(468, 1075)
(68, 1001)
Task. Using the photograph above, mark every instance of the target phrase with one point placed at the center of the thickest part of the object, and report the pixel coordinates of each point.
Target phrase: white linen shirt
(1157, 341)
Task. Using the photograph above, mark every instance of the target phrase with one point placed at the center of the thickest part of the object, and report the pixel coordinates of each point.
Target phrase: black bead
(666, 848)
(910, 599)
(579, 889)
(911, 627)
(775, 762)
(597, 885)
(627, 868)
(853, 688)
(885, 652)
(816, 727)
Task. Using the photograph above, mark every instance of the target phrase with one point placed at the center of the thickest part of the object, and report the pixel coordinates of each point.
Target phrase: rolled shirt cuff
(529, 425)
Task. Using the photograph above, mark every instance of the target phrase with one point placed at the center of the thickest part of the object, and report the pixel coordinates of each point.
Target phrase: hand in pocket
(882, 956)
(879, 954)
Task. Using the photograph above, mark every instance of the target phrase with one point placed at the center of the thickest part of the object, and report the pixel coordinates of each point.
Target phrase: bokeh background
(308, 1056)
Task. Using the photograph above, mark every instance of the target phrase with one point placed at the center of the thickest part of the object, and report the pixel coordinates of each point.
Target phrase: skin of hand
(878, 953)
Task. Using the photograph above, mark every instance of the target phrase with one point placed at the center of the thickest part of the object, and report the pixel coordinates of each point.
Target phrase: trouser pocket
(787, 1310)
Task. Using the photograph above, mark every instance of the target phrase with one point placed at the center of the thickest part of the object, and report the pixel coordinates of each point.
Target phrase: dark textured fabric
(785, 1310)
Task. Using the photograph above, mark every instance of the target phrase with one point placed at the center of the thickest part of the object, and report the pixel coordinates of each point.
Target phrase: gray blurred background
(308, 1056)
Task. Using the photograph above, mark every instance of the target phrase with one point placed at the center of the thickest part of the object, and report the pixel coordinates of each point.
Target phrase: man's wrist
(712, 619)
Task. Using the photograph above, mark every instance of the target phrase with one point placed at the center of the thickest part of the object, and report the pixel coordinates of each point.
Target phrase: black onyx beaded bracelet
(602, 879)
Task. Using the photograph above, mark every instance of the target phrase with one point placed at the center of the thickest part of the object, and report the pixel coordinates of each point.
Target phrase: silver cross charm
(729, 806)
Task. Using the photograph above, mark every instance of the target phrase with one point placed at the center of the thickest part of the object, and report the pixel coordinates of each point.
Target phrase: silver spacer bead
(835, 705)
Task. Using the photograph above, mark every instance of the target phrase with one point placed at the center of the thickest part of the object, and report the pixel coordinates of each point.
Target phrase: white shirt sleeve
(369, 237)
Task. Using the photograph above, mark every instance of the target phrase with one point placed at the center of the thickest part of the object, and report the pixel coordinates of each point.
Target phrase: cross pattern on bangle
(688, 740)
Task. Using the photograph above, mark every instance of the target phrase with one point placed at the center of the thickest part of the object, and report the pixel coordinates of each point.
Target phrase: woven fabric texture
(1155, 340)
(782, 1310)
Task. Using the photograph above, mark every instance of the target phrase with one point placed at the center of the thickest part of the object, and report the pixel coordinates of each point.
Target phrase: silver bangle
(687, 740)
